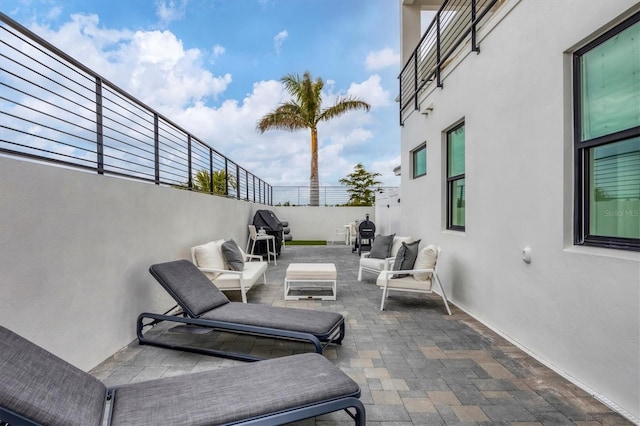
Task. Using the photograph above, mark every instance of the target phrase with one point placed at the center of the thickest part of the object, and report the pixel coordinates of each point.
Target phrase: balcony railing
(455, 23)
(55, 109)
(329, 195)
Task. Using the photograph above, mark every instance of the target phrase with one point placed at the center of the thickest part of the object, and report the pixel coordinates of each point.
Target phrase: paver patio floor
(416, 365)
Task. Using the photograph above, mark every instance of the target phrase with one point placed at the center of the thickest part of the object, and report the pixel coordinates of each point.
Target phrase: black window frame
(452, 179)
(582, 149)
(414, 152)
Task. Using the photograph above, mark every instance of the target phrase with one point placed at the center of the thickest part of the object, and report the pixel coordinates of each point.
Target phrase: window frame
(583, 148)
(452, 179)
(414, 152)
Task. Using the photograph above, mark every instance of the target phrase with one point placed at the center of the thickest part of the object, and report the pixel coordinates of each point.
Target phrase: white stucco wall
(575, 308)
(75, 249)
(321, 223)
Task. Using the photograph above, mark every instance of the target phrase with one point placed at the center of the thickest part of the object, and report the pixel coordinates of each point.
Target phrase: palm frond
(286, 116)
(342, 105)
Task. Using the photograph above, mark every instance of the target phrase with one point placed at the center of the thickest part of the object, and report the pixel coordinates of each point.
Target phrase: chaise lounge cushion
(321, 323)
(235, 393)
(43, 389)
(195, 294)
(31, 392)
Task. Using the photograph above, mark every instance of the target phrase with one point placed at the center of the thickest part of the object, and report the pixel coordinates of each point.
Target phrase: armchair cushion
(426, 260)
(397, 243)
(381, 247)
(233, 255)
(209, 256)
(406, 258)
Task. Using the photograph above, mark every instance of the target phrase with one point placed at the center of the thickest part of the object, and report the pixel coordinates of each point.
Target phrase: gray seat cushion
(318, 323)
(232, 394)
(44, 388)
(191, 289)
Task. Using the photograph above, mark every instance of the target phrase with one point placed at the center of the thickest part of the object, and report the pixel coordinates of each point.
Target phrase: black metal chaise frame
(204, 305)
(38, 388)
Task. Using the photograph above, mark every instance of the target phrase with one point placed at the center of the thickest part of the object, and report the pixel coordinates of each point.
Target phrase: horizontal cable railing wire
(55, 109)
(329, 195)
(455, 23)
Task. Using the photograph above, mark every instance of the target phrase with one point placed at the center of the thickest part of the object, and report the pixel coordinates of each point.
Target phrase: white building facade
(524, 166)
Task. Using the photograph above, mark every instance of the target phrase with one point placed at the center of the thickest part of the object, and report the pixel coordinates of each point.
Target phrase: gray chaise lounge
(204, 305)
(38, 388)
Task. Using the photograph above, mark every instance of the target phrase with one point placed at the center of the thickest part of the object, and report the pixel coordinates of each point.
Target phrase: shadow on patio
(415, 364)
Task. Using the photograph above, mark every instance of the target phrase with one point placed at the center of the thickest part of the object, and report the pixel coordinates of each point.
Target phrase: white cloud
(371, 91)
(154, 66)
(218, 50)
(382, 59)
(170, 10)
(54, 13)
(157, 68)
(279, 39)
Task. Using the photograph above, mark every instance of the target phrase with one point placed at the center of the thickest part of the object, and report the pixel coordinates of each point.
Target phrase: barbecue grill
(366, 234)
(269, 222)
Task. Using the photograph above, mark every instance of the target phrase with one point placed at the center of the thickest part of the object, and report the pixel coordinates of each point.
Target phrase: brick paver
(415, 364)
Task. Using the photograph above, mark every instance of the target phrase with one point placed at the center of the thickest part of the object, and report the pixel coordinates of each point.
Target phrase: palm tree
(202, 182)
(305, 111)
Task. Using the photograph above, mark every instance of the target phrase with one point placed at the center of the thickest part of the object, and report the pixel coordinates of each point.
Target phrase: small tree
(360, 186)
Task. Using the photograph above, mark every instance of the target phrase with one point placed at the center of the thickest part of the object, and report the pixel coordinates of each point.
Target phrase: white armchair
(375, 265)
(421, 279)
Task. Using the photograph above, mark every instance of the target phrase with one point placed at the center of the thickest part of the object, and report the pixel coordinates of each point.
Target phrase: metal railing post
(156, 147)
(474, 44)
(211, 171)
(237, 182)
(99, 128)
(189, 164)
(438, 53)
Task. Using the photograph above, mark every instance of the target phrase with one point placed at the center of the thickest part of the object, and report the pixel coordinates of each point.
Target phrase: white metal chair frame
(387, 273)
(244, 286)
(254, 237)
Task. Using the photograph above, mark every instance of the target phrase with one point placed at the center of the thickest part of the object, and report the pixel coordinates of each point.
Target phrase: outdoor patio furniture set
(36, 387)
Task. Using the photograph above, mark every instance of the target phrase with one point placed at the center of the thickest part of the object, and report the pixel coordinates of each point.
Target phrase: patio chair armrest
(387, 272)
(221, 271)
(388, 263)
(254, 256)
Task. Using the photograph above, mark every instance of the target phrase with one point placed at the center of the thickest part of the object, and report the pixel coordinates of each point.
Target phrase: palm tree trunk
(314, 191)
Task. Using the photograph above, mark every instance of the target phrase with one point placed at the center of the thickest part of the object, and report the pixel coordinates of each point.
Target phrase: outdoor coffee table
(312, 281)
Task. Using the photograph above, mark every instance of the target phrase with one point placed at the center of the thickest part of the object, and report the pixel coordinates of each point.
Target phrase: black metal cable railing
(456, 22)
(55, 109)
(329, 196)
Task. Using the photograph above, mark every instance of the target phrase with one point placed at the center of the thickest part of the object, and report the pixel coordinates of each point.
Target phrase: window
(455, 178)
(607, 139)
(419, 156)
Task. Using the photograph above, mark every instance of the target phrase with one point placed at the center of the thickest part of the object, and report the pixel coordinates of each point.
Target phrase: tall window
(455, 178)
(607, 139)
(419, 156)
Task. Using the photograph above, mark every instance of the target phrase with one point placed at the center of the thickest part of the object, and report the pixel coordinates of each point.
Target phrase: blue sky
(213, 66)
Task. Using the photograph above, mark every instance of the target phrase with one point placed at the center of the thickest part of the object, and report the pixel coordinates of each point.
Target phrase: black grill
(365, 237)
